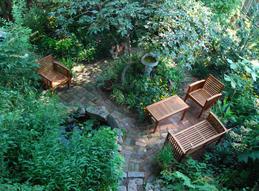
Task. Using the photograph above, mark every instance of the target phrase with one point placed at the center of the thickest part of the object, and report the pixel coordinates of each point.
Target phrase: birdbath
(150, 61)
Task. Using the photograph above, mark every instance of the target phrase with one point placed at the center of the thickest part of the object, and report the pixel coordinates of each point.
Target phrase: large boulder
(99, 113)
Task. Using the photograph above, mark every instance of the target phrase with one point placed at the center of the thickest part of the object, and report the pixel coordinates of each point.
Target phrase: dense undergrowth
(32, 154)
(202, 37)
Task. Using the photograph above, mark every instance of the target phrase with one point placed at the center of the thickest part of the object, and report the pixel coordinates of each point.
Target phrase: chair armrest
(62, 69)
(212, 100)
(49, 82)
(196, 85)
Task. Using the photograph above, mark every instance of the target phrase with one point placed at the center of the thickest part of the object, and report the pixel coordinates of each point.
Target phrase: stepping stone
(132, 186)
(122, 188)
(136, 174)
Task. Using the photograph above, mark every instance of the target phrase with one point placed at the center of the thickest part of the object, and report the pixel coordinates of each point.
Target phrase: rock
(122, 188)
(120, 136)
(119, 148)
(112, 121)
(141, 144)
(136, 174)
(139, 181)
(80, 111)
(132, 186)
(99, 113)
(152, 186)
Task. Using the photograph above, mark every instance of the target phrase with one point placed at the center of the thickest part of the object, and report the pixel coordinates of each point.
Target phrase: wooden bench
(196, 137)
(205, 92)
(53, 73)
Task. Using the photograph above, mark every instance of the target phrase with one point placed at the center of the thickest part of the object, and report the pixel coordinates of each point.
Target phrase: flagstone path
(140, 145)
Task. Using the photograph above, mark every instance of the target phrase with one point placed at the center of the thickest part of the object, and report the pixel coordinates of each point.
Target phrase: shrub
(188, 175)
(165, 157)
(32, 154)
(17, 65)
(32, 151)
(224, 9)
(138, 91)
(180, 29)
(86, 163)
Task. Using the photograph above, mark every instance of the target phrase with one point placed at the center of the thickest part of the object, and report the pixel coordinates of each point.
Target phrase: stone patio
(140, 144)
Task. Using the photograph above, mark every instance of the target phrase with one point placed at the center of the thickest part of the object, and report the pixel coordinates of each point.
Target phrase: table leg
(183, 114)
(156, 125)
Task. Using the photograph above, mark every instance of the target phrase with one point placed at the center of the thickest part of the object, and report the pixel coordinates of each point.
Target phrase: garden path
(140, 145)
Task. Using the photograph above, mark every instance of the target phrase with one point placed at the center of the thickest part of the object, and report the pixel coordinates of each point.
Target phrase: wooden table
(166, 108)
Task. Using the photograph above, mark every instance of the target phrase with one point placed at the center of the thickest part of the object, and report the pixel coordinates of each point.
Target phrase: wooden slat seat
(200, 96)
(195, 134)
(166, 108)
(196, 137)
(53, 73)
(205, 92)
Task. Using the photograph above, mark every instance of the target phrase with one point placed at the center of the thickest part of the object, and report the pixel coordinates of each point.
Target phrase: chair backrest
(215, 122)
(213, 86)
(46, 64)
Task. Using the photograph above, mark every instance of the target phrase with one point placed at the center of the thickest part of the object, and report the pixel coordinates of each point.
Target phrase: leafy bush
(33, 155)
(224, 9)
(87, 163)
(165, 157)
(32, 151)
(17, 64)
(189, 175)
(94, 17)
(88, 54)
(180, 29)
(138, 91)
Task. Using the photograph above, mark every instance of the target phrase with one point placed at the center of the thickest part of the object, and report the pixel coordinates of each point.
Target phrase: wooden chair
(53, 73)
(205, 92)
(196, 137)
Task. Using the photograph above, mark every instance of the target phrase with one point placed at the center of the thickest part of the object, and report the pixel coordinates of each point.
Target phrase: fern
(18, 11)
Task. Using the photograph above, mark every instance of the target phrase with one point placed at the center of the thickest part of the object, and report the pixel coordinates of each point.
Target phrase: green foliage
(138, 91)
(88, 54)
(17, 64)
(228, 44)
(23, 187)
(223, 110)
(165, 157)
(24, 120)
(94, 17)
(224, 9)
(31, 149)
(33, 155)
(196, 176)
(69, 63)
(180, 29)
(87, 163)
(64, 47)
(36, 18)
(18, 11)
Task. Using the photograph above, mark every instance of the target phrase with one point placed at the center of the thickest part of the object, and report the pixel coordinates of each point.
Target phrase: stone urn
(150, 60)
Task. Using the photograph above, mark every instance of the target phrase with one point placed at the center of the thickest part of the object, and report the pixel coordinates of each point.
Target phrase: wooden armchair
(53, 73)
(196, 137)
(205, 92)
